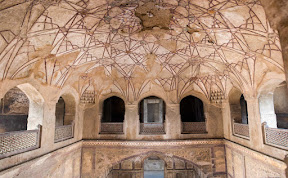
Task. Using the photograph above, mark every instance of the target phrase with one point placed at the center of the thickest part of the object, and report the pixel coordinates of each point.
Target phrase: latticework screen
(152, 128)
(193, 127)
(113, 128)
(17, 142)
(63, 133)
(241, 130)
(276, 137)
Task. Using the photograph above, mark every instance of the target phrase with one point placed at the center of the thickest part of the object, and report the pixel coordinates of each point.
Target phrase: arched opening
(281, 105)
(65, 115)
(152, 115)
(60, 112)
(239, 113)
(192, 115)
(65, 110)
(113, 115)
(238, 107)
(154, 167)
(21, 116)
(14, 111)
(113, 110)
(191, 109)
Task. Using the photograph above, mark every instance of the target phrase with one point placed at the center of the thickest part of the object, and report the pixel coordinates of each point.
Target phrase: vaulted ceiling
(132, 46)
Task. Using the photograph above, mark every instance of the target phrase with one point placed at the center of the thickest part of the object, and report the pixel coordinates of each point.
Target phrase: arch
(173, 165)
(104, 97)
(196, 94)
(65, 111)
(156, 105)
(26, 104)
(280, 100)
(238, 106)
(14, 111)
(158, 94)
(269, 86)
(113, 110)
(192, 109)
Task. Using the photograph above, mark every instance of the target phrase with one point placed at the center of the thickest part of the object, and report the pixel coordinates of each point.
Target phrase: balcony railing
(241, 130)
(112, 128)
(275, 137)
(12, 143)
(64, 132)
(152, 128)
(194, 127)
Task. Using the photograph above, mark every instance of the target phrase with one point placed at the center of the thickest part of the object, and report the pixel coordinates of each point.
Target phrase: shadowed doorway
(154, 167)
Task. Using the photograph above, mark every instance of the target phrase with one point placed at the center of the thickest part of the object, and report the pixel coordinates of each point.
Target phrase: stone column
(48, 127)
(173, 121)
(131, 122)
(267, 112)
(90, 121)
(78, 122)
(254, 121)
(226, 114)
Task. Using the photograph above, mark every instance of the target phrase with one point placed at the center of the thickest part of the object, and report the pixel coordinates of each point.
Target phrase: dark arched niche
(191, 109)
(113, 110)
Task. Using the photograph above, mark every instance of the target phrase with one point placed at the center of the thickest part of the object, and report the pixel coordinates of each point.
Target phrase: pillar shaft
(131, 122)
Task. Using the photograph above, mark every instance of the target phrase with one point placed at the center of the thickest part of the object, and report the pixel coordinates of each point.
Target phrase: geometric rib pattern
(207, 46)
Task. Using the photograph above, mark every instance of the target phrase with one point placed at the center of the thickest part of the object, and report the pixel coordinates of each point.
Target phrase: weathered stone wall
(14, 108)
(9, 123)
(142, 164)
(15, 102)
(65, 162)
(207, 156)
(244, 162)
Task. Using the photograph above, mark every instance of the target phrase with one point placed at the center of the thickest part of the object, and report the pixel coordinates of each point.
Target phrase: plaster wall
(93, 115)
(246, 163)
(99, 157)
(65, 162)
(255, 142)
